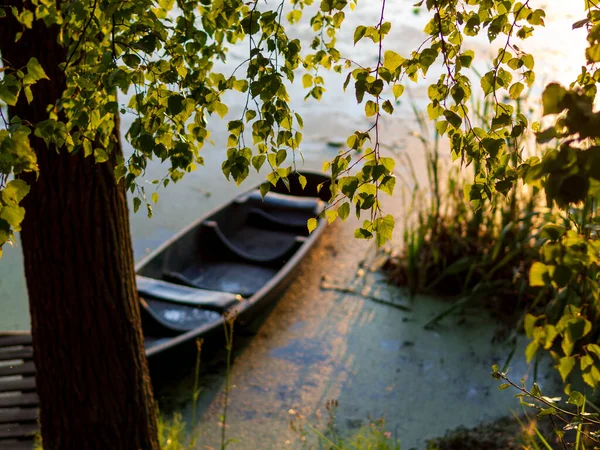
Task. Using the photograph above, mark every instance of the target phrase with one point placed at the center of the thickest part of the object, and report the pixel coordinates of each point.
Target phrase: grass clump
(171, 433)
(371, 436)
(456, 244)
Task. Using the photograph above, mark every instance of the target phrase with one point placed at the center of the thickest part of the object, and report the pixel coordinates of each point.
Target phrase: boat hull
(279, 215)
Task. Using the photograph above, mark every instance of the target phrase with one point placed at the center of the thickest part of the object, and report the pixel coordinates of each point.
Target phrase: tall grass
(452, 248)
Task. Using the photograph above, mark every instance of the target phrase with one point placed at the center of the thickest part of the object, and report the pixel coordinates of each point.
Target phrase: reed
(465, 249)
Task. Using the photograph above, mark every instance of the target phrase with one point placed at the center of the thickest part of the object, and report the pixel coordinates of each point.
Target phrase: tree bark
(92, 374)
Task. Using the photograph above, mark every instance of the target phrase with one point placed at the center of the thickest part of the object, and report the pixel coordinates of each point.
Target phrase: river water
(318, 345)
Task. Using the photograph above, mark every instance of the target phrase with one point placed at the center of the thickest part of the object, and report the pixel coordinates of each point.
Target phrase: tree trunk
(92, 373)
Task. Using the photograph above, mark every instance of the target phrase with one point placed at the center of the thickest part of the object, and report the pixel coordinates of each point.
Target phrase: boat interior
(223, 260)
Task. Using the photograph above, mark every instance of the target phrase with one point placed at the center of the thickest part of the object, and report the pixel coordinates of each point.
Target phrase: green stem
(195, 393)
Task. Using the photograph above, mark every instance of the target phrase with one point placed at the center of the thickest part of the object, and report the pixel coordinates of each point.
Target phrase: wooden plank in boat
(27, 368)
(17, 431)
(17, 339)
(14, 444)
(186, 295)
(19, 415)
(9, 401)
(21, 353)
(22, 384)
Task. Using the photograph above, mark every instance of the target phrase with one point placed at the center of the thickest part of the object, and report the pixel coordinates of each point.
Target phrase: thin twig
(352, 291)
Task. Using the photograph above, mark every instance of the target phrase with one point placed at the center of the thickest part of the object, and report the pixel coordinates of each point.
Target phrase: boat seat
(225, 276)
(309, 205)
(259, 218)
(215, 235)
(192, 296)
(166, 319)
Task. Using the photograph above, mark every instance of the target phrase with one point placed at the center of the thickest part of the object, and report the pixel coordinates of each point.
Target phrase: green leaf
(387, 184)
(331, 215)
(454, 119)
(344, 210)
(547, 412)
(362, 233)
(528, 61)
(100, 155)
(132, 60)
(26, 18)
(9, 90)
(312, 224)
(565, 366)
(240, 85)
(529, 324)
(264, 189)
(586, 361)
(307, 80)
(397, 90)
(359, 33)
(14, 215)
(487, 83)
(280, 157)
(392, 60)
(175, 104)
(538, 274)
(302, 180)
(258, 161)
(35, 70)
(552, 231)
(466, 58)
(28, 94)
(516, 90)
(592, 53)
(594, 348)
(387, 107)
(221, 109)
(531, 350)
(14, 192)
(371, 108)
(552, 99)
(136, 204)
(388, 163)
(576, 398)
(384, 228)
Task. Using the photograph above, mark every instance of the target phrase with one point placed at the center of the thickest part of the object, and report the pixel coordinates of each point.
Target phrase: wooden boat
(237, 258)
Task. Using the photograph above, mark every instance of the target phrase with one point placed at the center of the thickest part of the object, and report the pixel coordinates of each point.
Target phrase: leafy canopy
(164, 53)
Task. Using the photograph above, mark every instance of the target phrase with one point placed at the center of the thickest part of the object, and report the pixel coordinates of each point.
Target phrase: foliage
(371, 436)
(540, 263)
(450, 248)
(171, 433)
(165, 52)
(557, 249)
(572, 422)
